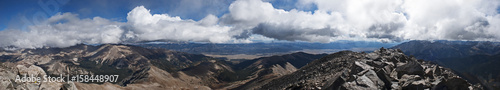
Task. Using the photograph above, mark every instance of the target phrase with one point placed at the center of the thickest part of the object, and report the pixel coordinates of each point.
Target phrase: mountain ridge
(377, 70)
(142, 68)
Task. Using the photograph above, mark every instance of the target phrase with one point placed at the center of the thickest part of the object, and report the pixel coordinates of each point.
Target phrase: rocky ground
(381, 69)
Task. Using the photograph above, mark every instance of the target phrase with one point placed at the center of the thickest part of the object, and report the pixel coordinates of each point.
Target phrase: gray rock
(379, 70)
(411, 68)
(453, 83)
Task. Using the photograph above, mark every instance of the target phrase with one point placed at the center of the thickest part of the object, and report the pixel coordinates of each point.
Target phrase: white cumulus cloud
(64, 30)
(147, 26)
(382, 20)
(67, 29)
(250, 20)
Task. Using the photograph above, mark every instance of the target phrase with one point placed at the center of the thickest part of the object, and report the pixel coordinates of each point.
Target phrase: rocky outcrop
(381, 69)
(476, 61)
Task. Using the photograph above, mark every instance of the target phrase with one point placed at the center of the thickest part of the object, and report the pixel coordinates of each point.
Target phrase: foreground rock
(382, 69)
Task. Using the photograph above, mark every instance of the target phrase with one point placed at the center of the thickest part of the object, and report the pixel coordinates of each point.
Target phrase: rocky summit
(381, 69)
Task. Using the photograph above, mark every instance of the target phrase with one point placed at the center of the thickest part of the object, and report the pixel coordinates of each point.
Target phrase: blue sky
(110, 9)
(244, 21)
(13, 10)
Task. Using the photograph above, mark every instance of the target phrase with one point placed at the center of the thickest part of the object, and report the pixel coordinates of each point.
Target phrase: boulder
(410, 68)
(453, 83)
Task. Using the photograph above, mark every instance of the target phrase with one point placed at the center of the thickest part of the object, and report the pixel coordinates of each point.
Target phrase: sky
(62, 23)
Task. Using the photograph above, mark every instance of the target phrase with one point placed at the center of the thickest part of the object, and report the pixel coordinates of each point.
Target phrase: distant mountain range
(434, 50)
(143, 68)
(266, 48)
(478, 61)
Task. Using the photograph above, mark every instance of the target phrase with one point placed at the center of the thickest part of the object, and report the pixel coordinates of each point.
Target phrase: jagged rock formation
(382, 69)
(476, 61)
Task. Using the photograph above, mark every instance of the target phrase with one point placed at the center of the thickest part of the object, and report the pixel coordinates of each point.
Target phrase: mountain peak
(381, 69)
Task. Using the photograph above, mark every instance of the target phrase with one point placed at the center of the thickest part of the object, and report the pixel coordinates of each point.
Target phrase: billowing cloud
(64, 30)
(386, 20)
(145, 26)
(67, 29)
(451, 19)
(248, 20)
